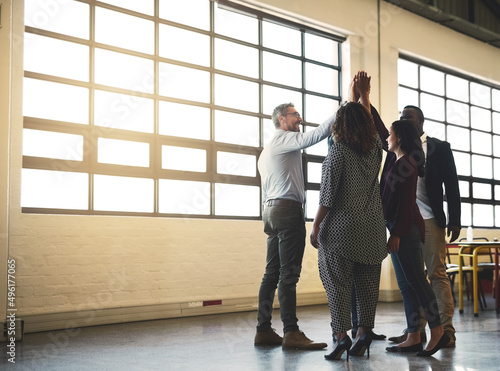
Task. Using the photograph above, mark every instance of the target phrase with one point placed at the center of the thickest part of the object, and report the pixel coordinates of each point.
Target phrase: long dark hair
(410, 142)
(354, 127)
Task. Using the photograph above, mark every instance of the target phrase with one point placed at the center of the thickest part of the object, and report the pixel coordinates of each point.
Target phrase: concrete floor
(225, 342)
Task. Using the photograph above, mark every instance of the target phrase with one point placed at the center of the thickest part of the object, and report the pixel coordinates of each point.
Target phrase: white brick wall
(68, 263)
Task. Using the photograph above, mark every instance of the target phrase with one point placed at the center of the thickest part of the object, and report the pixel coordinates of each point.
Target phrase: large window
(465, 112)
(162, 107)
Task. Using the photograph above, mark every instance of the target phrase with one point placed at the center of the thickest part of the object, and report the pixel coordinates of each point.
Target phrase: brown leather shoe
(401, 338)
(298, 340)
(267, 338)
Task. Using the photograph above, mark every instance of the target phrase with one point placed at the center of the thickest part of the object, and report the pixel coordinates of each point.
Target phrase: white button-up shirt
(280, 163)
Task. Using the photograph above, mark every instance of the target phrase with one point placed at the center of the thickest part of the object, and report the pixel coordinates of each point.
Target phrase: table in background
(471, 250)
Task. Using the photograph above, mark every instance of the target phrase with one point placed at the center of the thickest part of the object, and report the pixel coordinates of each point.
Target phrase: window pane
(321, 49)
(124, 31)
(236, 58)
(482, 167)
(185, 46)
(52, 145)
(194, 13)
(464, 188)
(66, 17)
(314, 172)
(236, 164)
(182, 120)
(480, 118)
(120, 111)
(496, 145)
(496, 122)
(466, 215)
(407, 97)
(173, 83)
(481, 142)
(431, 80)
(497, 168)
(54, 189)
(236, 25)
(457, 88)
(462, 162)
(495, 98)
(143, 6)
(247, 97)
(318, 109)
(433, 107)
(312, 203)
(268, 131)
(53, 101)
(272, 97)
(282, 70)
(481, 190)
(483, 215)
(458, 138)
(115, 193)
(237, 200)
(56, 57)
(184, 197)
(497, 194)
(435, 129)
(407, 73)
(480, 95)
(321, 79)
(124, 71)
(122, 152)
(184, 159)
(497, 216)
(281, 38)
(236, 129)
(457, 113)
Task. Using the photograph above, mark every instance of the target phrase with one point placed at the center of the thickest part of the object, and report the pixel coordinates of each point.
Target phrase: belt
(285, 203)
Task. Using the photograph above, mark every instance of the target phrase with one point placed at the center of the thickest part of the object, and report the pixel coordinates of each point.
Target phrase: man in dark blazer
(440, 170)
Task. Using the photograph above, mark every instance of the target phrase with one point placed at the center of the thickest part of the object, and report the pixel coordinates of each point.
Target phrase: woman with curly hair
(349, 229)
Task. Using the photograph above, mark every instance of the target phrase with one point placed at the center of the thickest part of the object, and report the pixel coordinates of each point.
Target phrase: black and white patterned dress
(352, 235)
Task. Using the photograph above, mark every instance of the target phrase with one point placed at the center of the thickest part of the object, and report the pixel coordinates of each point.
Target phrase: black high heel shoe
(344, 345)
(362, 345)
(441, 343)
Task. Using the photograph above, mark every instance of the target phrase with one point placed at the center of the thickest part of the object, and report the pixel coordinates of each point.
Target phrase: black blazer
(440, 169)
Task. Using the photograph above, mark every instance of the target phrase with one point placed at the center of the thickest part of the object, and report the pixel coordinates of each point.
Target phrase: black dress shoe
(441, 343)
(410, 349)
(373, 335)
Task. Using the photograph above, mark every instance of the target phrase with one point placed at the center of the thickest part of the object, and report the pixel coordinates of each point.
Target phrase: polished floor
(225, 342)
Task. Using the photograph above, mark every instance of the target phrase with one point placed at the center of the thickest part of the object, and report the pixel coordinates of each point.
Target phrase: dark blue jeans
(412, 281)
(286, 233)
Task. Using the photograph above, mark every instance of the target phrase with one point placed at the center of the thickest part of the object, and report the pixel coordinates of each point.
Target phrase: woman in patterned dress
(349, 229)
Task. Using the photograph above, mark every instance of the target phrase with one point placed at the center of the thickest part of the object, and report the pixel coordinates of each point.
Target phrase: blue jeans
(286, 232)
(412, 281)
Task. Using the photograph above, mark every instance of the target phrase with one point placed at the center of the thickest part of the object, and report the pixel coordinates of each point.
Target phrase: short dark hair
(419, 112)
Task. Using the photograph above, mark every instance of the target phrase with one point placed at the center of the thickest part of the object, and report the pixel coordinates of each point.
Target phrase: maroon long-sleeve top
(398, 188)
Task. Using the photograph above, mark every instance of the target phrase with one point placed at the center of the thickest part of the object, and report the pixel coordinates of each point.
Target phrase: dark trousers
(286, 232)
(412, 281)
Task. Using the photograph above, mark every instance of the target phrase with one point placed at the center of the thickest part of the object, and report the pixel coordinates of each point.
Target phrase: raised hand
(362, 88)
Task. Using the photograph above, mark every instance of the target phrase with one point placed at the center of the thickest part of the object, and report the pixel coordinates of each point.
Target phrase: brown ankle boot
(298, 340)
(267, 338)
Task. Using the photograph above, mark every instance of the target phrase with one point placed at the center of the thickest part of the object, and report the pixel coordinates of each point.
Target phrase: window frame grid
(92, 132)
(470, 179)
